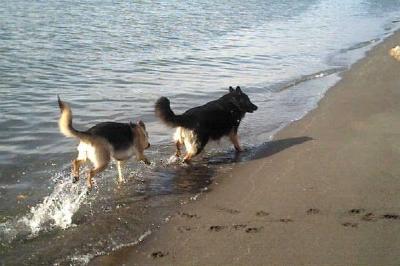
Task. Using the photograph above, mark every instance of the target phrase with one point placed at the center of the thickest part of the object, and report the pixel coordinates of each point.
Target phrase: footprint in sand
(390, 216)
(369, 217)
(228, 210)
(285, 220)
(188, 215)
(217, 228)
(356, 211)
(253, 229)
(313, 211)
(239, 226)
(262, 213)
(348, 224)
(159, 254)
(183, 229)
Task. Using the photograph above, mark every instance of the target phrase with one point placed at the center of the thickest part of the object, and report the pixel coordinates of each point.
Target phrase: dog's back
(118, 135)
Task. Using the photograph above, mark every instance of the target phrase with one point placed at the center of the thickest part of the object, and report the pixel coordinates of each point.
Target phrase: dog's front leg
(178, 148)
(120, 166)
(235, 140)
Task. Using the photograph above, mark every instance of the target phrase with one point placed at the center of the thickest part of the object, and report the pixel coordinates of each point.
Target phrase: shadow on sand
(272, 147)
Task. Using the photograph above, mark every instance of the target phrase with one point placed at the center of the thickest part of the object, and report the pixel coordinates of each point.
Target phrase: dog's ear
(140, 123)
(238, 90)
(231, 89)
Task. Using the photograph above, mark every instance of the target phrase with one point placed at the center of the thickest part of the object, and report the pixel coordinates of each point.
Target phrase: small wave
(317, 75)
(359, 45)
(86, 258)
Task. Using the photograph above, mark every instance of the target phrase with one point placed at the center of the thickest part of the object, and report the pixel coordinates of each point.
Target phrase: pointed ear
(140, 123)
(238, 90)
(230, 89)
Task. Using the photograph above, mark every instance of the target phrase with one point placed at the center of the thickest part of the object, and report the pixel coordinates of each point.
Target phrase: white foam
(56, 210)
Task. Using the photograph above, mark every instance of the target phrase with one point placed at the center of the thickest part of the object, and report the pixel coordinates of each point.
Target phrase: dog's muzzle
(253, 108)
(148, 146)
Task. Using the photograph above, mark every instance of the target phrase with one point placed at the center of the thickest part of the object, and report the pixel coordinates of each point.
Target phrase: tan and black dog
(215, 119)
(102, 142)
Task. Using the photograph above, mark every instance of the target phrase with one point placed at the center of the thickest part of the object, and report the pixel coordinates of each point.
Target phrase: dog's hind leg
(100, 159)
(179, 140)
(120, 166)
(75, 169)
(194, 147)
(178, 148)
(92, 172)
(235, 140)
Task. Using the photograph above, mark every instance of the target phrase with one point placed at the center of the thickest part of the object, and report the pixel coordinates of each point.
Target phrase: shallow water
(111, 61)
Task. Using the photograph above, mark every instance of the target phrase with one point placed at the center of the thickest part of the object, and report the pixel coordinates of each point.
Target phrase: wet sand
(324, 192)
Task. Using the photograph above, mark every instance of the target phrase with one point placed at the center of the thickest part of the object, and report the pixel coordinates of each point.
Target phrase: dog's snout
(255, 107)
(148, 146)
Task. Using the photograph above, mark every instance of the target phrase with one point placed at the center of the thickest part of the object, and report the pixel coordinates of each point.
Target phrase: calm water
(111, 60)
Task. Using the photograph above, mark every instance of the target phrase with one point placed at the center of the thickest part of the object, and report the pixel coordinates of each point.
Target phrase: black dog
(210, 121)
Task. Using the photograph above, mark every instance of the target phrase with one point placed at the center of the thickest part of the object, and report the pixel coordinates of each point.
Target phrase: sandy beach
(323, 192)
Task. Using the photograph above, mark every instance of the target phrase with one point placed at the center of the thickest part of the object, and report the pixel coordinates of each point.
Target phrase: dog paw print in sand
(312, 211)
(216, 228)
(188, 215)
(184, 229)
(228, 210)
(356, 211)
(252, 230)
(262, 213)
(239, 226)
(285, 220)
(390, 216)
(349, 224)
(369, 217)
(159, 254)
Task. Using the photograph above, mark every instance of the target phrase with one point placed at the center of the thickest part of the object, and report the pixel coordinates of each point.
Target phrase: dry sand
(324, 192)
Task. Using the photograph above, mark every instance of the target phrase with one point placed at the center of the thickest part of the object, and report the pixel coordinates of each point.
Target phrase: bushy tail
(166, 115)
(65, 122)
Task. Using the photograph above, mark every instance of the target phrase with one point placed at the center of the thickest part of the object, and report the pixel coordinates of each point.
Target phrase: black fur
(119, 135)
(213, 120)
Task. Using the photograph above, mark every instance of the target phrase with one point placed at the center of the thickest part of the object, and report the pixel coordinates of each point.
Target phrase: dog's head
(241, 100)
(142, 135)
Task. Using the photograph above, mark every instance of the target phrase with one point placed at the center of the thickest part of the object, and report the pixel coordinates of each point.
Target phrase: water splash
(55, 211)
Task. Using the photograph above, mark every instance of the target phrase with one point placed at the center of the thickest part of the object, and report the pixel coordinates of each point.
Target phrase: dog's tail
(166, 115)
(65, 123)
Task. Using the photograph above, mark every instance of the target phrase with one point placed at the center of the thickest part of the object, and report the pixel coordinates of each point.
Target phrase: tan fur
(235, 140)
(395, 52)
(97, 150)
(65, 120)
(185, 137)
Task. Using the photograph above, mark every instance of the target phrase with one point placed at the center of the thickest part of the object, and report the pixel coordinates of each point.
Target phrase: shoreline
(322, 192)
